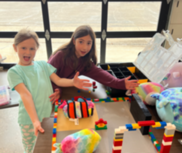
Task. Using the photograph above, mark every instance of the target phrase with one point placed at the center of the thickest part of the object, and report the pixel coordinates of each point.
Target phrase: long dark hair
(69, 48)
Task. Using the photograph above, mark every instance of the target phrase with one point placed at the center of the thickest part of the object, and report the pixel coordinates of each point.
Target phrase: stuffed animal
(78, 108)
(174, 77)
(169, 106)
(84, 141)
(144, 90)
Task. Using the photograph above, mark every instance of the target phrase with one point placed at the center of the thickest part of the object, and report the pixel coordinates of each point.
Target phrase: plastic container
(155, 61)
(121, 71)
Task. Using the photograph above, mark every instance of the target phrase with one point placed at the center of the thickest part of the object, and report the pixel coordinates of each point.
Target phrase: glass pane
(6, 50)
(56, 43)
(124, 50)
(67, 16)
(17, 15)
(133, 16)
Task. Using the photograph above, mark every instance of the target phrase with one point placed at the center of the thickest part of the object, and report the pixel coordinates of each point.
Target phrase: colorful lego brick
(167, 139)
(55, 120)
(100, 128)
(53, 135)
(78, 91)
(165, 149)
(157, 124)
(56, 108)
(96, 100)
(95, 87)
(89, 91)
(54, 139)
(146, 123)
(136, 126)
(116, 151)
(129, 127)
(117, 148)
(54, 130)
(93, 83)
(101, 124)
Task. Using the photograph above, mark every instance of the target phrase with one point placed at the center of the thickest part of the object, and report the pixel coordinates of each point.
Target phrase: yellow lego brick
(54, 139)
(55, 126)
(102, 101)
(118, 139)
(136, 126)
(157, 124)
(168, 135)
(100, 125)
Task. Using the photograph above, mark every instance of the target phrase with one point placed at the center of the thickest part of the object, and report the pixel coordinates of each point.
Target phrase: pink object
(4, 95)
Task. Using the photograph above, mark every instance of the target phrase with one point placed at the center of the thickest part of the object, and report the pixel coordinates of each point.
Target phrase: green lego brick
(56, 108)
(103, 128)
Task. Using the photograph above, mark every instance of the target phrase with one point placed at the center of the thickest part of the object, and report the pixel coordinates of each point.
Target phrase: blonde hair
(25, 34)
(69, 48)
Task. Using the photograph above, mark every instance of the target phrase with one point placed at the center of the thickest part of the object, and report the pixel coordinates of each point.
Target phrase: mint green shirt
(36, 78)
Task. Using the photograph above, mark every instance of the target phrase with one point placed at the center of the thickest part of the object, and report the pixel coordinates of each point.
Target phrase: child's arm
(63, 82)
(29, 106)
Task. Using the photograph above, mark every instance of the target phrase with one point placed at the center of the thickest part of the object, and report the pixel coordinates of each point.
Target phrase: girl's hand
(55, 96)
(130, 84)
(37, 127)
(81, 83)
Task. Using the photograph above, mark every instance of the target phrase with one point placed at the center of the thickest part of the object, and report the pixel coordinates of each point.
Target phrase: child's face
(82, 45)
(26, 51)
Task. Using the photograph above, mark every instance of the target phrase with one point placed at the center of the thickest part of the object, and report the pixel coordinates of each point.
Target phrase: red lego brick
(165, 149)
(117, 143)
(167, 139)
(116, 151)
(146, 123)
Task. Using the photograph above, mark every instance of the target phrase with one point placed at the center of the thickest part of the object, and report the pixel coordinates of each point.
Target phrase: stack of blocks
(55, 126)
(94, 86)
(101, 124)
(166, 142)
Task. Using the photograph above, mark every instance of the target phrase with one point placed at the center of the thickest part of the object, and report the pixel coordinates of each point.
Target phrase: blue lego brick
(54, 131)
(158, 148)
(163, 124)
(129, 126)
(55, 120)
(89, 99)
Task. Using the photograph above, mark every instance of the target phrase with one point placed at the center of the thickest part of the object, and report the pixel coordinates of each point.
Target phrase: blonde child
(32, 80)
(79, 54)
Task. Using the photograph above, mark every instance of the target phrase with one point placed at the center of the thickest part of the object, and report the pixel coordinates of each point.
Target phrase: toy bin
(122, 71)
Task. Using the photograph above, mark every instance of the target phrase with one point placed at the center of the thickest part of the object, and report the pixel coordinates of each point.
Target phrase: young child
(32, 80)
(79, 54)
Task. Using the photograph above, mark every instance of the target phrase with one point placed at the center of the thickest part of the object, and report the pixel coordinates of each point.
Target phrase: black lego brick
(140, 112)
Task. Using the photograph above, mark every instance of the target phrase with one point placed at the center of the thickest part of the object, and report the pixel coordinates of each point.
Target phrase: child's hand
(55, 96)
(81, 83)
(37, 127)
(131, 84)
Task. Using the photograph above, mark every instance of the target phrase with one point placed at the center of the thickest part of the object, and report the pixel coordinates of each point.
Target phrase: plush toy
(78, 108)
(169, 106)
(84, 141)
(174, 77)
(144, 90)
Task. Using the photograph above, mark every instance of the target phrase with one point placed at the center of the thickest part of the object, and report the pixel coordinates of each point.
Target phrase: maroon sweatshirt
(98, 74)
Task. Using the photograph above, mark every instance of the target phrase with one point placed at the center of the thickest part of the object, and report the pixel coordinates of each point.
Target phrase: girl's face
(82, 45)
(26, 51)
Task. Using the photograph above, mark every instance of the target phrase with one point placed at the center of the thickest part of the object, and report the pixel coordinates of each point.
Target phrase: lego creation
(140, 113)
(101, 124)
(167, 138)
(115, 113)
